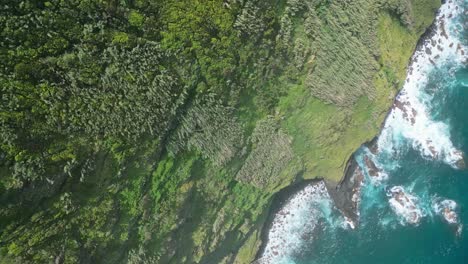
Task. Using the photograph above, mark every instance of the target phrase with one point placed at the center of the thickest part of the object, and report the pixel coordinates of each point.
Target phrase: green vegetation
(154, 131)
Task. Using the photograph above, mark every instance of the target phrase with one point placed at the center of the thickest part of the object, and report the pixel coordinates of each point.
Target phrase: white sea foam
(405, 205)
(446, 208)
(295, 222)
(410, 118)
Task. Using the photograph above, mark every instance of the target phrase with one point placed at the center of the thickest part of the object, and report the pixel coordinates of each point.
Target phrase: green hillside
(150, 131)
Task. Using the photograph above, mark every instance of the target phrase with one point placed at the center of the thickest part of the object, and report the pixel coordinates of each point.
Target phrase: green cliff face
(154, 131)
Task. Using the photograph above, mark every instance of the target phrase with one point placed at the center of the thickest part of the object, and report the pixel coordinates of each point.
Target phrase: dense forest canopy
(157, 131)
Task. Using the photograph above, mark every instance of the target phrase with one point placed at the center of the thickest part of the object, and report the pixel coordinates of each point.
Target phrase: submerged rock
(460, 163)
(450, 216)
(405, 205)
(371, 167)
(447, 209)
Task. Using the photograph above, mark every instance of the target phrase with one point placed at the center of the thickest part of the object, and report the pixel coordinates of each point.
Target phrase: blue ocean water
(419, 153)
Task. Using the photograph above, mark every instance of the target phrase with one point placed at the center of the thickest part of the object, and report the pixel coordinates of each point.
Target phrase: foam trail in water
(295, 223)
(410, 118)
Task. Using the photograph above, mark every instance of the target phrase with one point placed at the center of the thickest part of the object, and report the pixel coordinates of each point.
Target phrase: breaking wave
(294, 225)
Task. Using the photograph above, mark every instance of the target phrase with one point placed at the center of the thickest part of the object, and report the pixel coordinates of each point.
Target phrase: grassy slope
(325, 135)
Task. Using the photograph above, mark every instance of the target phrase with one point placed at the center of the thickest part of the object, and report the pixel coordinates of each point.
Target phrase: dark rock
(428, 51)
(402, 106)
(374, 149)
(343, 192)
(442, 29)
(371, 167)
(461, 164)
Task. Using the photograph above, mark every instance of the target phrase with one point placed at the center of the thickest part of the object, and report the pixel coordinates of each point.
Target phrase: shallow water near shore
(414, 197)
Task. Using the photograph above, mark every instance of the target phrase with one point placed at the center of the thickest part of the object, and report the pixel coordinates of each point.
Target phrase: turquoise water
(417, 152)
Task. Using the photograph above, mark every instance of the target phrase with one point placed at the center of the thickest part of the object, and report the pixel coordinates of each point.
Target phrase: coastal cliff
(386, 187)
(344, 188)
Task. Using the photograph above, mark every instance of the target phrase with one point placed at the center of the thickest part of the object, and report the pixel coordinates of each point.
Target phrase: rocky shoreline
(345, 194)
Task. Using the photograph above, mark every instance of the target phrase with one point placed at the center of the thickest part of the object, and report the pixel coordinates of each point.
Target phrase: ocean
(413, 198)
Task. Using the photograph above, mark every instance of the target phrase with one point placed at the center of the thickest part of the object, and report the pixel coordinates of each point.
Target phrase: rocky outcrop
(346, 194)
